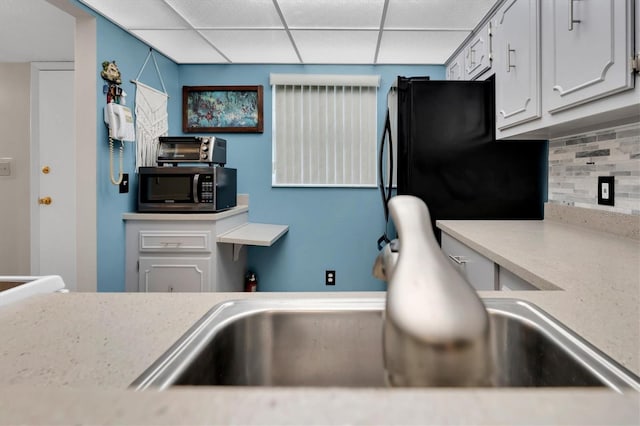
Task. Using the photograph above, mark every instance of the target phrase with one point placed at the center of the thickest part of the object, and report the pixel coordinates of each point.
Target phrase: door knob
(46, 170)
(45, 200)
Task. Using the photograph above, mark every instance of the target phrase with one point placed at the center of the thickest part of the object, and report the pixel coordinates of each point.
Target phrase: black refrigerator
(448, 156)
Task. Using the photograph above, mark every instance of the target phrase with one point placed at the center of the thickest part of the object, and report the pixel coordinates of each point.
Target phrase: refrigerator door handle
(385, 194)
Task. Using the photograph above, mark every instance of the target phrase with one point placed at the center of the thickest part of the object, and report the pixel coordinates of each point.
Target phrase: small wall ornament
(111, 75)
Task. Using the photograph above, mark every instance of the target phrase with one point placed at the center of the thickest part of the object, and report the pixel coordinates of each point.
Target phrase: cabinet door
(477, 54)
(455, 70)
(516, 53)
(589, 45)
(179, 274)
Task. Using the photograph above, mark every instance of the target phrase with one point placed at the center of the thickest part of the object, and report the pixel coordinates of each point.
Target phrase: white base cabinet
(477, 269)
(482, 273)
(183, 255)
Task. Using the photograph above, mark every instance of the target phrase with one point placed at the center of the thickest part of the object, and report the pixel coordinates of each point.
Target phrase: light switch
(5, 166)
(606, 190)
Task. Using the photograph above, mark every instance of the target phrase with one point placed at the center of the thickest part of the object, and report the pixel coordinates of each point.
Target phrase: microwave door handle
(196, 181)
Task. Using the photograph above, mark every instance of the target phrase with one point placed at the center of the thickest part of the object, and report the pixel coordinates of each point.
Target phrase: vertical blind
(324, 130)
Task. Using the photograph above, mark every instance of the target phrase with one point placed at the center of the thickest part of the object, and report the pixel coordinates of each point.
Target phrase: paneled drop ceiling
(298, 31)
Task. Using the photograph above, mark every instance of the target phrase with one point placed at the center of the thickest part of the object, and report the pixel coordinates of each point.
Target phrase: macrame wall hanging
(151, 117)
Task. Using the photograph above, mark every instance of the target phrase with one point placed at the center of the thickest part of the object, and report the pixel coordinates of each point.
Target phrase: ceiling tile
(138, 14)
(183, 46)
(258, 46)
(228, 13)
(436, 14)
(338, 47)
(325, 31)
(418, 47)
(365, 14)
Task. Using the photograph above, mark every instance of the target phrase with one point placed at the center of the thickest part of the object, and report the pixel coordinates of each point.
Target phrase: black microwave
(186, 189)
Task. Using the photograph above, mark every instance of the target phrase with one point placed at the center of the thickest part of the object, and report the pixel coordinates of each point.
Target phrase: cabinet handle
(571, 20)
(509, 50)
(174, 245)
(460, 260)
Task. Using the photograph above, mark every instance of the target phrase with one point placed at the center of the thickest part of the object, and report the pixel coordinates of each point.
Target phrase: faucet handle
(436, 329)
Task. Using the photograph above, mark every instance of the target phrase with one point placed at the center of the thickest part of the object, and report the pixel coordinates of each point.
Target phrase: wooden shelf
(253, 234)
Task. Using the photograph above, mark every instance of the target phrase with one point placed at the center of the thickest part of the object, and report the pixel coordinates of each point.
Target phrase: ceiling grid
(298, 31)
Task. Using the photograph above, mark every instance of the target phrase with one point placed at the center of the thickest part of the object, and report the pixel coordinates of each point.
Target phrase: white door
(516, 49)
(591, 43)
(56, 176)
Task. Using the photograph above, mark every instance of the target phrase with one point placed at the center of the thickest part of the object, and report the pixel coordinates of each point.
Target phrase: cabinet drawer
(477, 269)
(182, 241)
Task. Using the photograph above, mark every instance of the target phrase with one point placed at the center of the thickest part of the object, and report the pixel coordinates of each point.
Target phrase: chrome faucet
(436, 328)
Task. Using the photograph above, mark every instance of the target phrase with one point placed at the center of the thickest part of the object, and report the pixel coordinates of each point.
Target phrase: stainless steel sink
(338, 342)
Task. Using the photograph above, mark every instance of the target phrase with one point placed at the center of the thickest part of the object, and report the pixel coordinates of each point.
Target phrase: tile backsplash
(575, 162)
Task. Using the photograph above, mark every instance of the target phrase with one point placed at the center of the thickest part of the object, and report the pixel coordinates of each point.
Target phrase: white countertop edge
(186, 216)
(256, 234)
(260, 406)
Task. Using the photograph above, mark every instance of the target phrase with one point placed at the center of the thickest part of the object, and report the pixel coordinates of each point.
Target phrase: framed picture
(224, 109)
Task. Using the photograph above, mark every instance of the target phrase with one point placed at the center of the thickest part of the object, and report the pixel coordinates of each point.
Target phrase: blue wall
(329, 228)
(129, 53)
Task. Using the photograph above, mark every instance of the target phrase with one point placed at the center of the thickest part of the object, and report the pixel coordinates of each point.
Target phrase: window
(324, 130)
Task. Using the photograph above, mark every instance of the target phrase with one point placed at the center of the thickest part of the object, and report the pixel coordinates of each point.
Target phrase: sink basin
(338, 342)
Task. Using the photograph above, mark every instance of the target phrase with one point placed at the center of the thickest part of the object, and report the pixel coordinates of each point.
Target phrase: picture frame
(222, 109)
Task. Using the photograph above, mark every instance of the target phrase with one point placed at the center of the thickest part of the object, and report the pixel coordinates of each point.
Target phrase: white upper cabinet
(455, 69)
(477, 53)
(588, 46)
(516, 52)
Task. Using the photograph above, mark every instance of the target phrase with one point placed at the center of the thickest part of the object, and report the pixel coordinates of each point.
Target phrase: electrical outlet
(124, 185)
(329, 277)
(606, 190)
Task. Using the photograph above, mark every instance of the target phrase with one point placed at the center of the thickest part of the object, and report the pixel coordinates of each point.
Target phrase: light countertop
(598, 275)
(240, 208)
(68, 358)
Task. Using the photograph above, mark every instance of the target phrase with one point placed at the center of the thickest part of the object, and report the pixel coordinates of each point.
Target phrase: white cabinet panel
(481, 272)
(516, 53)
(455, 70)
(510, 281)
(477, 53)
(477, 269)
(174, 274)
(589, 45)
